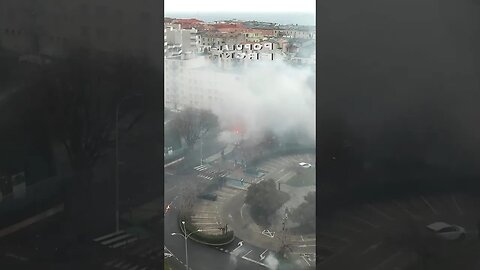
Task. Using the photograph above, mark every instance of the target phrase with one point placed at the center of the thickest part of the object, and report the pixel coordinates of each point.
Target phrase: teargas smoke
(272, 262)
(264, 97)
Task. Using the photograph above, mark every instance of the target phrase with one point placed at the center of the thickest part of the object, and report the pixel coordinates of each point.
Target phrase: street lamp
(117, 163)
(186, 236)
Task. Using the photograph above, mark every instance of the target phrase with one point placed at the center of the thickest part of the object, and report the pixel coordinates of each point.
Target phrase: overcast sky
(307, 6)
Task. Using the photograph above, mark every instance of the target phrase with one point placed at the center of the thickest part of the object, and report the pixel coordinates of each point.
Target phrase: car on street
(447, 231)
(305, 165)
(208, 196)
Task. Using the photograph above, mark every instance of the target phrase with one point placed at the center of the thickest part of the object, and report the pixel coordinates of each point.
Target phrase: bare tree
(78, 98)
(191, 124)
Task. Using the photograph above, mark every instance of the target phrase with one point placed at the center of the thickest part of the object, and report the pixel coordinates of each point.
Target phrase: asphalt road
(201, 257)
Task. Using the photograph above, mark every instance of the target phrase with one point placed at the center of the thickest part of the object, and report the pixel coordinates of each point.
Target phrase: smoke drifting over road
(272, 262)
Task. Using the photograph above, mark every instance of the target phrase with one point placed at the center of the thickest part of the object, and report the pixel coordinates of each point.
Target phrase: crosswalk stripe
(128, 241)
(115, 239)
(101, 238)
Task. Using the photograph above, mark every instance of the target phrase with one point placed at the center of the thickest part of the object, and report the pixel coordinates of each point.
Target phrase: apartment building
(53, 27)
(196, 82)
(210, 40)
(179, 40)
(301, 32)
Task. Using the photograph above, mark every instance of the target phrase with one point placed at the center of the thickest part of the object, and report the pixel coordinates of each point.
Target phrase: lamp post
(117, 163)
(185, 237)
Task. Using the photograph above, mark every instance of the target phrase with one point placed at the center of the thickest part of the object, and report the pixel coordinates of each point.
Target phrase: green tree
(264, 200)
(304, 214)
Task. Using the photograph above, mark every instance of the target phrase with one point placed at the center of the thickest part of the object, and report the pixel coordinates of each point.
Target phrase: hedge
(202, 237)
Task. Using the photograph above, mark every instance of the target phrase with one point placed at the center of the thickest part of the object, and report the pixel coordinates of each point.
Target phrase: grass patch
(166, 266)
(304, 177)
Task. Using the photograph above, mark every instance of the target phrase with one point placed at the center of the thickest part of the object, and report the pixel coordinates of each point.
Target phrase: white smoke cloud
(233, 261)
(272, 262)
(269, 96)
(265, 96)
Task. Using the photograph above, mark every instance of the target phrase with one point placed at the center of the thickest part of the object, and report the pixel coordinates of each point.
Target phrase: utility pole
(201, 150)
(284, 235)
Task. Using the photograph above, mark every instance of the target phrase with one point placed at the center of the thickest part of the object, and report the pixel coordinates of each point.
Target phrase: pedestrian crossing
(145, 256)
(205, 177)
(201, 168)
(124, 264)
(116, 239)
(211, 175)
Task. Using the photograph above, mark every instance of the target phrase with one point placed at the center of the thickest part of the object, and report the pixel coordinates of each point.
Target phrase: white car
(305, 165)
(447, 231)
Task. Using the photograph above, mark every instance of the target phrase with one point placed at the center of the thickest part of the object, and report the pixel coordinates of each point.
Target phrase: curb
(206, 243)
(210, 244)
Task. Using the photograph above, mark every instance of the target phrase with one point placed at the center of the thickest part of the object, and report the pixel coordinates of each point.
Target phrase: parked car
(447, 231)
(208, 196)
(305, 165)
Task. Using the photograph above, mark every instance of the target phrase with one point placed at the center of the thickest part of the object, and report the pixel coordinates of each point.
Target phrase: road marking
(389, 259)
(101, 238)
(268, 233)
(429, 205)
(240, 244)
(378, 211)
(241, 210)
(303, 257)
(29, 221)
(309, 239)
(197, 217)
(289, 174)
(370, 248)
(262, 255)
(362, 220)
(170, 189)
(11, 255)
(302, 238)
(173, 162)
(405, 210)
(304, 246)
(251, 260)
(457, 205)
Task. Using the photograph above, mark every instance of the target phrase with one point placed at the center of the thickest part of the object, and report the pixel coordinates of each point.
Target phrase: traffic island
(197, 235)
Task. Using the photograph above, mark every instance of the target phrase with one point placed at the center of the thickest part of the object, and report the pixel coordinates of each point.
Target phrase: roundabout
(290, 177)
